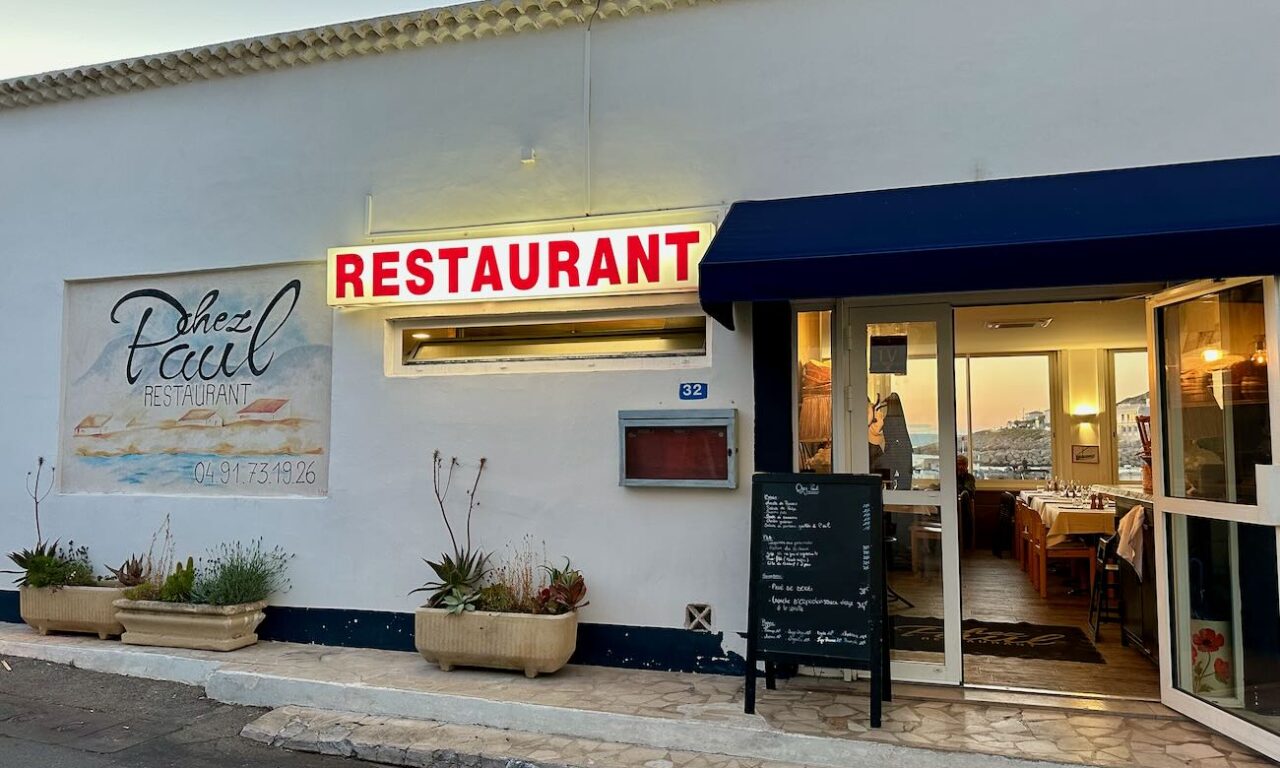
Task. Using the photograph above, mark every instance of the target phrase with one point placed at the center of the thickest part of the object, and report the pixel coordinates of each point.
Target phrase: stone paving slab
(803, 722)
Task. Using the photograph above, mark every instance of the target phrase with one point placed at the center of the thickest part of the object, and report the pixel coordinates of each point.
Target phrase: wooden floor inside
(995, 589)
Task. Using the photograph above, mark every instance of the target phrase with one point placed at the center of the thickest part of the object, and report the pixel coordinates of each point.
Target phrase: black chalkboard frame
(877, 661)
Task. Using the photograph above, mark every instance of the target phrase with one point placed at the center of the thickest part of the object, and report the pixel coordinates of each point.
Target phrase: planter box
(71, 609)
(530, 643)
(190, 625)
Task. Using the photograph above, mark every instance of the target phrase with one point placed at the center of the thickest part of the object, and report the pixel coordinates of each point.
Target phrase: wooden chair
(1067, 550)
(1026, 520)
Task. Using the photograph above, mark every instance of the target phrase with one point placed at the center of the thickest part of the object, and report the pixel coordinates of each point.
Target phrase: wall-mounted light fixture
(528, 155)
(1084, 412)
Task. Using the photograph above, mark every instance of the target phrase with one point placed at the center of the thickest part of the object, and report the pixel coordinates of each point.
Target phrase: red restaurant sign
(617, 261)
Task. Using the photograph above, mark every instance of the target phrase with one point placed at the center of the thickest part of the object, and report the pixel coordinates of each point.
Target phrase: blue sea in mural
(189, 472)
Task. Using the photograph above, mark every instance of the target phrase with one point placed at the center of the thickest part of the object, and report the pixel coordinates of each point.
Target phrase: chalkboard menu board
(817, 576)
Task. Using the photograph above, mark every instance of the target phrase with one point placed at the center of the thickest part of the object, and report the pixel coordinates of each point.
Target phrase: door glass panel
(1214, 387)
(913, 553)
(813, 347)
(902, 404)
(1226, 621)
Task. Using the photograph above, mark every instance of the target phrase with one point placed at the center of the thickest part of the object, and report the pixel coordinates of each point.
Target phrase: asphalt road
(53, 716)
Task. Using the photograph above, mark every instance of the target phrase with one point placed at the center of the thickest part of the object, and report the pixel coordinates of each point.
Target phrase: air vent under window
(1031, 322)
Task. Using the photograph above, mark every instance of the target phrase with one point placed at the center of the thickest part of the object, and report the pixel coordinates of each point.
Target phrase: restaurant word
(641, 260)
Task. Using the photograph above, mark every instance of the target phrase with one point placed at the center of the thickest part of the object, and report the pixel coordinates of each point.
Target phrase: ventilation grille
(697, 616)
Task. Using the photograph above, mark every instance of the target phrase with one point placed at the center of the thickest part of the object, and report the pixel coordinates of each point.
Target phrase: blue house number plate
(693, 391)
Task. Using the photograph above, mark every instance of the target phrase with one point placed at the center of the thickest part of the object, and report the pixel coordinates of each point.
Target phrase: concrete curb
(118, 659)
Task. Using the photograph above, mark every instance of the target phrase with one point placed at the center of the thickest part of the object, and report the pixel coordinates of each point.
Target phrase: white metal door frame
(1264, 512)
(852, 455)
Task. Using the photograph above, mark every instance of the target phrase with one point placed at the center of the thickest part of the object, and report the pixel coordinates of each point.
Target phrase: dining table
(1066, 516)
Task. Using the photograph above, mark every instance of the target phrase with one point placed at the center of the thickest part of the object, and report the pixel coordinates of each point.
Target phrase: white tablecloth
(1069, 517)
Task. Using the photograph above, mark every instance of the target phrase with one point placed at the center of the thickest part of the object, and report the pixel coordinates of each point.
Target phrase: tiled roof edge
(470, 21)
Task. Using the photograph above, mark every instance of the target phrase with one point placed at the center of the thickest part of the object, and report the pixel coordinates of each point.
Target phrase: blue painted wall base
(601, 645)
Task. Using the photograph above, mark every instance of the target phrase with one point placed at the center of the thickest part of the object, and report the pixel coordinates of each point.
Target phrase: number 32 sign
(693, 391)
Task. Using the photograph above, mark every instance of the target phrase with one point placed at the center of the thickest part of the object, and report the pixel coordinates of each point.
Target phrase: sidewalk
(805, 722)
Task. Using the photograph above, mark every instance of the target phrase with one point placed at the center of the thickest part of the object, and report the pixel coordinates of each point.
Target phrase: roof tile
(470, 21)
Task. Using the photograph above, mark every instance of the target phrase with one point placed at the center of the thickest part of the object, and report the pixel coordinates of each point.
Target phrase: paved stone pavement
(680, 711)
(53, 716)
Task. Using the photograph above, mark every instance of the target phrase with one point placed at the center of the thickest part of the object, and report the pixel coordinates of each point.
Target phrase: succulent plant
(49, 565)
(132, 572)
(566, 590)
(459, 572)
(177, 587)
(458, 601)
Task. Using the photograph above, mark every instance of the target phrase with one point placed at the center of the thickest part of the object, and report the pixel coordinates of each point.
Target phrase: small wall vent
(1031, 322)
(697, 616)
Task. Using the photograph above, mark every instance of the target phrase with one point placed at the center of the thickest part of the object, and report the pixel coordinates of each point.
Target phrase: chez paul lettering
(184, 353)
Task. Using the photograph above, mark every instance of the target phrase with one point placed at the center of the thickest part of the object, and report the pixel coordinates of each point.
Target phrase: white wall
(750, 98)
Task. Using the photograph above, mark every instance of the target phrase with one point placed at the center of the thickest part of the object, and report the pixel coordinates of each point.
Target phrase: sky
(59, 34)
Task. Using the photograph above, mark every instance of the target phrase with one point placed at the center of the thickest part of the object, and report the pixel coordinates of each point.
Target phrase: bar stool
(1105, 599)
(921, 535)
(890, 543)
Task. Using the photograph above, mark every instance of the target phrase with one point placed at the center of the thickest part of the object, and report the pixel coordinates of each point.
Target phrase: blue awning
(1166, 223)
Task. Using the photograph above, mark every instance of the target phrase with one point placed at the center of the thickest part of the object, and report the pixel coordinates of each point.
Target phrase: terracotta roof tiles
(469, 21)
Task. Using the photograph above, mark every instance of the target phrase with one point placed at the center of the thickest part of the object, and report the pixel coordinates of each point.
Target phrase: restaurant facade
(629, 253)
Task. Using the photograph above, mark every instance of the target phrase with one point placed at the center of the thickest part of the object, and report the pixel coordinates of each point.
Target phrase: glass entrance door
(1215, 420)
(901, 425)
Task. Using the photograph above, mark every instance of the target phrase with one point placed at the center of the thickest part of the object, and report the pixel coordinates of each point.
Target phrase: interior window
(634, 337)
(1131, 398)
(1003, 416)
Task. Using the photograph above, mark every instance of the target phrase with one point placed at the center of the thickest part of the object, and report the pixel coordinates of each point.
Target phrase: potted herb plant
(521, 615)
(57, 590)
(216, 606)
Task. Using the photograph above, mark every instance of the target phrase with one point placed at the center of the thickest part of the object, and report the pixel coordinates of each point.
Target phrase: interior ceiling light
(1030, 322)
(420, 335)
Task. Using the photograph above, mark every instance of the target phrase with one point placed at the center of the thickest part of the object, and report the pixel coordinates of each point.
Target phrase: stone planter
(71, 609)
(190, 625)
(530, 643)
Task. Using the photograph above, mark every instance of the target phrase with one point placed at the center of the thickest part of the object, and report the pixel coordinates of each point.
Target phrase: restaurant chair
(1105, 597)
(1003, 534)
(1027, 521)
(921, 535)
(968, 526)
(1069, 550)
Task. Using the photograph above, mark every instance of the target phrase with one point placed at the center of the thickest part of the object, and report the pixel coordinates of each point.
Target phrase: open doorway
(1054, 397)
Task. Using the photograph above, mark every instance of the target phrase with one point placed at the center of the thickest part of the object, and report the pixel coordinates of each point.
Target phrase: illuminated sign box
(588, 263)
(681, 448)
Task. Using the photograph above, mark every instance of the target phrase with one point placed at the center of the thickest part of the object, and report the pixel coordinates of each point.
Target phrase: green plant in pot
(215, 604)
(521, 614)
(57, 588)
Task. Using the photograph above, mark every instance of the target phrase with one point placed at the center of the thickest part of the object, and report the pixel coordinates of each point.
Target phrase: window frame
(395, 365)
(1113, 416)
(1055, 417)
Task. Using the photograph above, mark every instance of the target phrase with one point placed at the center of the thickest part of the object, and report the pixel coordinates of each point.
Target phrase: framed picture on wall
(1084, 454)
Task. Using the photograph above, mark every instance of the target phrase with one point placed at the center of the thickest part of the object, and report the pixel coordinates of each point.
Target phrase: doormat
(993, 638)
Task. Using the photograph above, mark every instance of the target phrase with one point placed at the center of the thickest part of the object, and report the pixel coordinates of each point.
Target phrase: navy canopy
(1165, 223)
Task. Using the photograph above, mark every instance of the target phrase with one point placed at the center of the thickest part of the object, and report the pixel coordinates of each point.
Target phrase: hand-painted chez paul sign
(209, 383)
(641, 260)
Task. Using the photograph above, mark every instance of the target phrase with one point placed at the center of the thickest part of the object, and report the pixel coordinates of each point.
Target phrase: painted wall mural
(208, 383)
